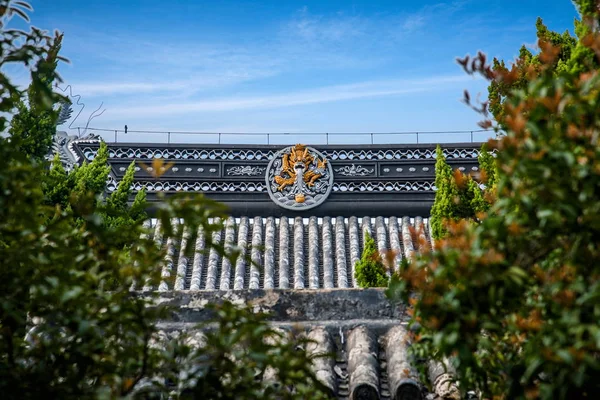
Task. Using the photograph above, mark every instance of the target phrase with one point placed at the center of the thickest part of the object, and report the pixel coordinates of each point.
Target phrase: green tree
(88, 181)
(488, 168)
(370, 270)
(34, 124)
(55, 185)
(569, 54)
(32, 129)
(119, 214)
(32, 49)
(459, 196)
(514, 299)
(444, 206)
(70, 327)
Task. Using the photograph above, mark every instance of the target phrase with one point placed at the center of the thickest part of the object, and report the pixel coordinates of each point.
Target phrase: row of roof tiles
(364, 363)
(282, 253)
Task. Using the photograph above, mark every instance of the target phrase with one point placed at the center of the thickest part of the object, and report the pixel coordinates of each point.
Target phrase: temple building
(300, 213)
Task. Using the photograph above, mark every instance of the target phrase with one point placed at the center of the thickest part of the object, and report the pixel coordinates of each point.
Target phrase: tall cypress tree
(459, 196)
(117, 212)
(55, 184)
(444, 205)
(488, 167)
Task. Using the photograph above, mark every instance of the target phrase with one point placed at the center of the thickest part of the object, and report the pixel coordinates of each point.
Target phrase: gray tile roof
(298, 253)
(367, 363)
(366, 334)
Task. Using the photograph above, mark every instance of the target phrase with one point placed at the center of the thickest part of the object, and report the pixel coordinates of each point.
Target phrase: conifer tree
(91, 178)
(460, 196)
(477, 203)
(446, 192)
(88, 183)
(55, 184)
(369, 270)
(488, 168)
(118, 213)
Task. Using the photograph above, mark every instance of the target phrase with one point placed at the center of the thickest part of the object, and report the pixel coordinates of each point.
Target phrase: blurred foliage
(239, 355)
(515, 299)
(34, 123)
(461, 196)
(32, 129)
(571, 54)
(70, 325)
(35, 130)
(370, 270)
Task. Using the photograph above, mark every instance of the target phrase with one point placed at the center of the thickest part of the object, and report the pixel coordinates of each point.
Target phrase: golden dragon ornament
(299, 177)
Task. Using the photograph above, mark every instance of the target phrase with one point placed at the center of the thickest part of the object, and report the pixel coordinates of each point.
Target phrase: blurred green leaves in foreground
(514, 298)
(70, 327)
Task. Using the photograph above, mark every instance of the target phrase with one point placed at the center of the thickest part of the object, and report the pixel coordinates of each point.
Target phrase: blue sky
(285, 66)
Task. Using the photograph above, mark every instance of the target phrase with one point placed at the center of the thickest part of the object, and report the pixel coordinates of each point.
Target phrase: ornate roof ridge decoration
(354, 170)
(299, 178)
(63, 144)
(248, 170)
(218, 187)
(381, 179)
(127, 151)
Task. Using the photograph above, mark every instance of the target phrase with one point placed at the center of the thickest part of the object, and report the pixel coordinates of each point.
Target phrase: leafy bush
(515, 299)
(33, 49)
(571, 56)
(34, 124)
(70, 327)
(370, 270)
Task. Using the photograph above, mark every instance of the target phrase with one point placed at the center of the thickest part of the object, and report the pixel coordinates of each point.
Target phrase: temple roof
(367, 336)
(300, 253)
(373, 179)
(298, 264)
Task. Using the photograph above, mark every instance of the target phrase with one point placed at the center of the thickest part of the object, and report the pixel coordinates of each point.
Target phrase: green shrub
(70, 326)
(514, 300)
(369, 270)
(34, 124)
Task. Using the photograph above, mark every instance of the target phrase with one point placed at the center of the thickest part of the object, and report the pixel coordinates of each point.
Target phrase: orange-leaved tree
(514, 301)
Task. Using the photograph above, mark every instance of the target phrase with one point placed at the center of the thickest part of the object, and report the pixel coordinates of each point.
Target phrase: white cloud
(182, 68)
(109, 88)
(185, 87)
(314, 96)
(132, 65)
(413, 22)
(144, 77)
(339, 27)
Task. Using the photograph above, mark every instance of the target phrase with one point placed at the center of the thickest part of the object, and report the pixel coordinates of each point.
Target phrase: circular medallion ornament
(299, 178)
